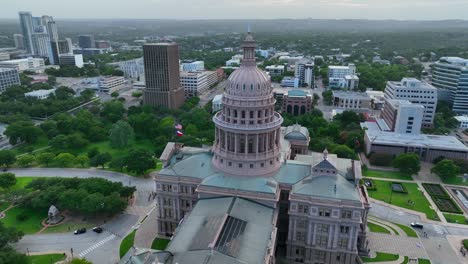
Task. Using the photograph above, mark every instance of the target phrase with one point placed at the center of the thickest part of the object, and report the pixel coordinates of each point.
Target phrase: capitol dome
(247, 134)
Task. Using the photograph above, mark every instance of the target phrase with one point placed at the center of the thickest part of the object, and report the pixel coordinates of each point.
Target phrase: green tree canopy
(139, 161)
(407, 163)
(64, 159)
(22, 131)
(25, 160)
(7, 158)
(446, 169)
(7, 180)
(45, 158)
(120, 134)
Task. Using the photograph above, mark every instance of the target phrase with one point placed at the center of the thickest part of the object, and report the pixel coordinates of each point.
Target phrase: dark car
(80, 231)
(417, 225)
(97, 229)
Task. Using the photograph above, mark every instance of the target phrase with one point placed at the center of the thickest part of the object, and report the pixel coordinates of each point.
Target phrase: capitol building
(258, 195)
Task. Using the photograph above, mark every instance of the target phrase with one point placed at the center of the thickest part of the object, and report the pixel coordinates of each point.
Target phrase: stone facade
(320, 211)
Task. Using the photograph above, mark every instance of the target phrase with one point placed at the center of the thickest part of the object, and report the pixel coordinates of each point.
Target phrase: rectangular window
(322, 240)
(300, 236)
(303, 209)
(344, 229)
(301, 224)
(346, 214)
(322, 228)
(324, 212)
(343, 242)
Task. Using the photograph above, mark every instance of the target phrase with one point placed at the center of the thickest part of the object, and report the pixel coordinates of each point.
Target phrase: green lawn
(465, 243)
(377, 228)
(424, 261)
(454, 181)
(408, 230)
(386, 174)
(21, 182)
(381, 257)
(405, 261)
(46, 259)
(455, 218)
(384, 193)
(160, 243)
(29, 226)
(127, 243)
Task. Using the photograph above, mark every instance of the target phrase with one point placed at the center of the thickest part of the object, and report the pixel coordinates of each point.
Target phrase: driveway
(98, 248)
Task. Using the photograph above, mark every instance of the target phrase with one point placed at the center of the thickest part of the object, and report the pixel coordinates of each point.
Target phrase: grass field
(67, 227)
(377, 228)
(386, 174)
(21, 182)
(29, 226)
(424, 261)
(42, 142)
(405, 261)
(381, 257)
(455, 218)
(104, 146)
(408, 230)
(160, 243)
(46, 259)
(385, 194)
(454, 181)
(127, 243)
(4, 205)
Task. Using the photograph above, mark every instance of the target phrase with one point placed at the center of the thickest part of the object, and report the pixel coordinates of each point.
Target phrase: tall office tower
(42, 46)
(19, 41)
(51, 27)
(37, 25)
(27, 30)
(162, 75)
(450, 77)
(304, 71)
(86, 41)
(60, 47)
(70, 45)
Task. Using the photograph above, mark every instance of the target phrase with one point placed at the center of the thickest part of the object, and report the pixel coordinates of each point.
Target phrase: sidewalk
(147, 231)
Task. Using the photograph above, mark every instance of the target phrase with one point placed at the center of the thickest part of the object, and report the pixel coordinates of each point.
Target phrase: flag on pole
(179, 133)
(178, 127)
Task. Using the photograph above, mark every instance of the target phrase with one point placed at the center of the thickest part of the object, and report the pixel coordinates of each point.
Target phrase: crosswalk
(98, 244)
(439, 230)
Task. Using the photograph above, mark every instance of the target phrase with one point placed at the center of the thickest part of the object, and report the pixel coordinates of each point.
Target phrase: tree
(120, 134)
(139, 161)
(327, 97)
(64, 159)
(117, 163)
(82, 160)
(100, 159)
(343, 151)
(7, 180)
(25, 160)
(113, 111)
(93, 152)
(446, 169)
(45, 158)
(7, 158)
(114, 94)
(7, 253)
(407, 163)
(22, 131)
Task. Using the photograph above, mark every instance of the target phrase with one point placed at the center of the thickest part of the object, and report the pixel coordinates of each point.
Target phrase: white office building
(23, 64)
(192, 66)
(131, 68)
(42, 46)
(194, 83)
(450, 77)
(40, 94)
(8, 77)
(343, 77)
(341, 71)
(402, 116)
(111, 84)
(291, 82)
(275, 70)
(463, 121)
(417, 92)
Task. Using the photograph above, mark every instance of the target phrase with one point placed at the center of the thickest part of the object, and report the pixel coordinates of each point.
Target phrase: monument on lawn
(54, 215)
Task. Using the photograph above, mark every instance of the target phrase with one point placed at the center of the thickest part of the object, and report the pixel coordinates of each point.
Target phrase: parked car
(417, 225)
(80, 231)
(97, 229)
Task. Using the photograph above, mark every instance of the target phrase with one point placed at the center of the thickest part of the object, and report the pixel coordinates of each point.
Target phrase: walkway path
(400, 231)
(147, 230)
(404, 246)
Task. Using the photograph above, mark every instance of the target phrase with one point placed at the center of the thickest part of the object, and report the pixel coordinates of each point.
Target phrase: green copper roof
(254, 184)
(324, 186)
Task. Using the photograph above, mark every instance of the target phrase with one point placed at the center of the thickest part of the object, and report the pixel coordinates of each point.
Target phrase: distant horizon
(418, 10)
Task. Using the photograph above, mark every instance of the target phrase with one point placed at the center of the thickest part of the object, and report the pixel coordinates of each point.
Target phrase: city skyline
(244, 9)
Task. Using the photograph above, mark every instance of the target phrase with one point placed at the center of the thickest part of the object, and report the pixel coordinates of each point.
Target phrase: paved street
(209, 94)
(98, 248)
(405, 246)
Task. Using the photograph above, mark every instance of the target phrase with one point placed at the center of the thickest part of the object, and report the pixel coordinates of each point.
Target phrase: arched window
(243, 87)
(251, 87)
(235, 113)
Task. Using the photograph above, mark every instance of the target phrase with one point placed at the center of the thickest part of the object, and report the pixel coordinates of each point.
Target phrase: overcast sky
(250, 9)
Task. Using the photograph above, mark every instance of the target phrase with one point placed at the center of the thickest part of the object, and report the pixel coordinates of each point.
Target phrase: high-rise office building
(450, 77)
(42, 46)
(60, 47)
(51, 27)
(19, 41)
(162, 75)
(27, 30)
(304, 71)
(86, 41)
(37, 25)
